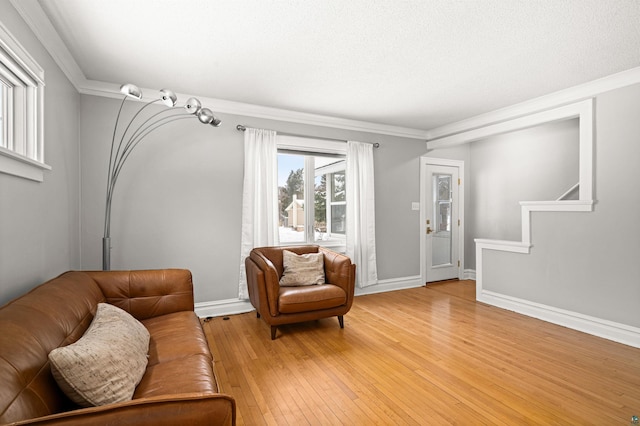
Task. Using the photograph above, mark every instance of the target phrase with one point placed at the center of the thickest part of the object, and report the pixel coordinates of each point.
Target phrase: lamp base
(106, 254)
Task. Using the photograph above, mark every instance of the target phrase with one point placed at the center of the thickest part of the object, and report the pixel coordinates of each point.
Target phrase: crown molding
(542, 103)
(110, 90)
(19, 60)
(577, 109)
(37, 20)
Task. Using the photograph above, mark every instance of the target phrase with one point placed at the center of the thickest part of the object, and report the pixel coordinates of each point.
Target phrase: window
(21, 105)
(311, 173)
(3, 108)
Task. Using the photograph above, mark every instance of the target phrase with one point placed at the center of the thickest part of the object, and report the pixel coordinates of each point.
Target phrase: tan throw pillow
(302, 269)
(106, 364)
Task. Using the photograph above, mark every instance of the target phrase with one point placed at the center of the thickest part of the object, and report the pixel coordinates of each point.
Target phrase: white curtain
(259, 196)
(361, 232)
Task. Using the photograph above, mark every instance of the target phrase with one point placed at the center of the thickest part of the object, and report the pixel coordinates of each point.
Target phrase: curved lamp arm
(119, 155)
(117, 166)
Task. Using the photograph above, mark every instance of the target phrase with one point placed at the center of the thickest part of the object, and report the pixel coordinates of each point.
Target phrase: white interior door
(441, 222)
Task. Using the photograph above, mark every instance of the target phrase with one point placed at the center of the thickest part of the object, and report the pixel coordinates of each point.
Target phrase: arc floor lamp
(133, 134)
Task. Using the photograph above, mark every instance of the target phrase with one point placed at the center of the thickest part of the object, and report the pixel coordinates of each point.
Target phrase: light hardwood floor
(424, 356)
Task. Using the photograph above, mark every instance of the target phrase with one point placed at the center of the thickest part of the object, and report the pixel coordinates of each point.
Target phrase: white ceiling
(410, 63)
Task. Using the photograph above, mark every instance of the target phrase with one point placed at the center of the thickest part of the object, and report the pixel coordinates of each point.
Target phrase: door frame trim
(424, 161)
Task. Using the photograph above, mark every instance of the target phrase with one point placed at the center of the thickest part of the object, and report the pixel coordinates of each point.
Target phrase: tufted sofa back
(57, 313)
(51, 315)
(147, 294)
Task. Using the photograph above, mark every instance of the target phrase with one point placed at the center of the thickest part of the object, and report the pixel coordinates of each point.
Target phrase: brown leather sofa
(285, 305)
(179, 386)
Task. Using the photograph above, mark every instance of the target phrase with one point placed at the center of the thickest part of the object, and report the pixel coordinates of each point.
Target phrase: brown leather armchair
(285, 305)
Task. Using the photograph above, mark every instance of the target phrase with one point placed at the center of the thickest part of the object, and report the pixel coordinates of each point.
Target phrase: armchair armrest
(339, 270)
(147, 293)
(265, 278)
(183, 409)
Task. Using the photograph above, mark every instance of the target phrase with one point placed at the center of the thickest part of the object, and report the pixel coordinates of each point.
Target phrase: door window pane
(442, 199)
(443, 202)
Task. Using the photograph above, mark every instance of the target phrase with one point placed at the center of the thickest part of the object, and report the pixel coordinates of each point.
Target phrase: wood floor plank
(429, 355)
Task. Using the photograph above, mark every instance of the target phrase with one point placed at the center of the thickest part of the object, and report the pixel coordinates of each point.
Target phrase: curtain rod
(242, 128)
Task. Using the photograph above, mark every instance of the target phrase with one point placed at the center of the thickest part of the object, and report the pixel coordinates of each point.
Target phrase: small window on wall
(3, 108)
(21, 107)
(311, 194)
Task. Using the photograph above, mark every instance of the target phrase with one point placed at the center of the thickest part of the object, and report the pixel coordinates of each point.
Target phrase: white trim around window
(22, 149)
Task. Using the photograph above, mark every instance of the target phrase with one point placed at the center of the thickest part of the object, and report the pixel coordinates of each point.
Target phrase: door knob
(429, 230)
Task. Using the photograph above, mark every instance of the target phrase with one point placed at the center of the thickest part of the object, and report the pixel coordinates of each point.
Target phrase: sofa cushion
(189, 374)
(302, 269)
(174, 336)
(106, 363)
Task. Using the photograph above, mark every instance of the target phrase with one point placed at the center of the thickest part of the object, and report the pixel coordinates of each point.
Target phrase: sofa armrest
(147, 293)
(183, 409)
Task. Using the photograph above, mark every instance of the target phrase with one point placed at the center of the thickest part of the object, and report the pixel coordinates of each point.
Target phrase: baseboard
(469, 274)
(610, 330)
(391, 285)
(236, 306)
(223, 307)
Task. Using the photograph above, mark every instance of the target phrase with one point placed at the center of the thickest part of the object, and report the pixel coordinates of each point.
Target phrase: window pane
(320, 206)
(3, 103)
(444, 187)
(443, 216)
(443, 202)
(291, 197)
(441, 253)
(338, 219)
(338, 193)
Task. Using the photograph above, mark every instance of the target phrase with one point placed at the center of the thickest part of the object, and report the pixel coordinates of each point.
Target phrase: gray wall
(39, 222)
(588, 262)
(581, 262)
(535, 164)
(179, 198)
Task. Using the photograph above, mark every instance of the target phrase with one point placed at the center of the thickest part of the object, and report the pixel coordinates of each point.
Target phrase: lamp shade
(169, 98)
(205, 115)
(131, 90)
(192, 106)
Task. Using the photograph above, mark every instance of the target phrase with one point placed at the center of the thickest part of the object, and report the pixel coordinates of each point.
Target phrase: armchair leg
(341, 321)
(273, 332)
